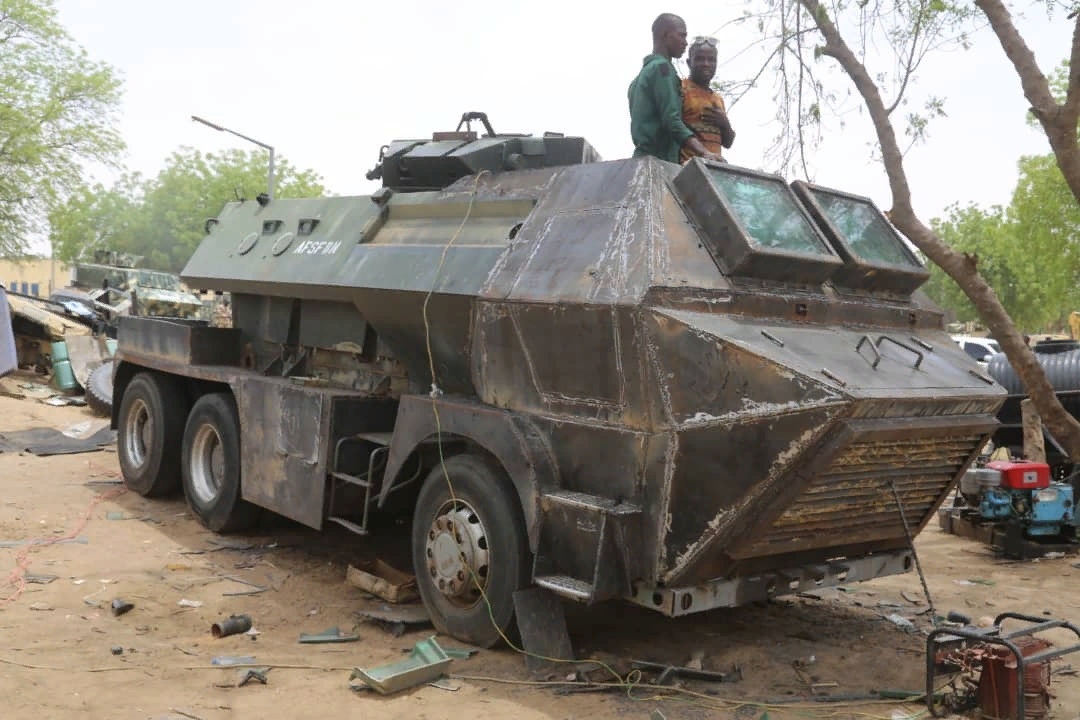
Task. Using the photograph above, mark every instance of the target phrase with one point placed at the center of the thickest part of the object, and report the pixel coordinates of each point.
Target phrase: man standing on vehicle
(703, 108)
(655, 95)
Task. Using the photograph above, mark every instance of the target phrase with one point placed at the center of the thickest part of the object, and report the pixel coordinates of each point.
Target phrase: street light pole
(270, 178)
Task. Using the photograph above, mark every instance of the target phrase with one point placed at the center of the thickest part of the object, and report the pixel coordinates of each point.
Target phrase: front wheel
(210, 465)
(470, 551)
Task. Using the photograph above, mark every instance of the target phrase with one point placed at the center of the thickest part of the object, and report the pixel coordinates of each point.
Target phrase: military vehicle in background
(687, 387)
(114, 281)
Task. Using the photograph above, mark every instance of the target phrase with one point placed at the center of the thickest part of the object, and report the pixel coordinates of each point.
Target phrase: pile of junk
(70, 337)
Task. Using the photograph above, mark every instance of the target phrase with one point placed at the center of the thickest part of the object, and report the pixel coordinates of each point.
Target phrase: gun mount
(426, 165)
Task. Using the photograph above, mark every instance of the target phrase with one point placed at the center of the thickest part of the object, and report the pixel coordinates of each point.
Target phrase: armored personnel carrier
(687, 387)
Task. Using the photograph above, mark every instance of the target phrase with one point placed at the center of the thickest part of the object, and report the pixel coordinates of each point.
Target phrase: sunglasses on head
(702, 40)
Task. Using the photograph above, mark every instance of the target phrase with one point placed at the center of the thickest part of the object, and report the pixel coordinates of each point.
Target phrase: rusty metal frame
(734, 592)
(1037, 625)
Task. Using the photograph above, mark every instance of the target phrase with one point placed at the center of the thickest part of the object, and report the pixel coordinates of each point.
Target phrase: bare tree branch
(1072, 99)
(960, 267)
(1058, 121)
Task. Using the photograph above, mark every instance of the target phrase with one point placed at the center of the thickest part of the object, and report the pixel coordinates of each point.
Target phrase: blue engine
(1042, 512)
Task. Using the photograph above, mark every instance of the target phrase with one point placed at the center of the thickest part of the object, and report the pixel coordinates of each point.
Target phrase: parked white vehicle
(979, 348)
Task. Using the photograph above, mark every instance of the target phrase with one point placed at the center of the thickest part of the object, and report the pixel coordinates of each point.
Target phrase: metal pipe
(270, 174)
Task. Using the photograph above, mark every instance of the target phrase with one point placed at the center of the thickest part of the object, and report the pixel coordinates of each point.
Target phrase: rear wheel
(211, 465)
(150, 422)
(470, 552)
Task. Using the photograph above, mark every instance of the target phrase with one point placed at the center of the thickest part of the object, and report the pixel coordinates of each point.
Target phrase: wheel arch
(519, 447)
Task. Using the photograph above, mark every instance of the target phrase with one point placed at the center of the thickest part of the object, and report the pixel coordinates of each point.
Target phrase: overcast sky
(327, 82)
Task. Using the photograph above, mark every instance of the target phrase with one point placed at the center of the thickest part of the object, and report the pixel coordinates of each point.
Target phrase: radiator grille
(851, 501)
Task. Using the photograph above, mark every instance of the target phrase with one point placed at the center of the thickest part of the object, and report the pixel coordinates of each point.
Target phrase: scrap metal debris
(119, 607)
(330, 635)
(383, 581)
(45, 441)
(232, 625)
(687, 673)
(426, 663)
(40, 579)
(246, 676)
(396, 620)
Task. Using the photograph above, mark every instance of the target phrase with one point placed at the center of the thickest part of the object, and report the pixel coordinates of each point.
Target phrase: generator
(1014, 505)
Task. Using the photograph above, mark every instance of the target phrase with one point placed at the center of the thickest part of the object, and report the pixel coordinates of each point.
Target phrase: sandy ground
(57, 661)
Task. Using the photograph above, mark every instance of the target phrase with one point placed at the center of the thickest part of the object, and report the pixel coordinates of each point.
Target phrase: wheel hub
(457, 553)
(139, 434)
(207, 464)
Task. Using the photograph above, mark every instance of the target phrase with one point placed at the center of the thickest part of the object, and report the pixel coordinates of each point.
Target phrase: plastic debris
(228, 660)
(190, 603)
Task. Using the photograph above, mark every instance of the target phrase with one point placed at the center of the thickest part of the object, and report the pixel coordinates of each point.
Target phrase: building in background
(34, 275)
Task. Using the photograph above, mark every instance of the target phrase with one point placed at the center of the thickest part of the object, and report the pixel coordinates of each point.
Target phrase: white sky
(327, 82)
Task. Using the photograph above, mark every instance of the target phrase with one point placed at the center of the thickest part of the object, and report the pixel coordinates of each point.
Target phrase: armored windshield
(866, 231)
(767, 211)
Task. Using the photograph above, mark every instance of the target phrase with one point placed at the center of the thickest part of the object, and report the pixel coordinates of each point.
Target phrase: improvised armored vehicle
(688, 387)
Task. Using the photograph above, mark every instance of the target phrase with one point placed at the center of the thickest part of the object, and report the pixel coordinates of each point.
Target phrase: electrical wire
(434, 394)
(631, 681)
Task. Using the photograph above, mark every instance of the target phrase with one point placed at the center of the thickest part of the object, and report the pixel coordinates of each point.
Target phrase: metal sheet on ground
(50, 441)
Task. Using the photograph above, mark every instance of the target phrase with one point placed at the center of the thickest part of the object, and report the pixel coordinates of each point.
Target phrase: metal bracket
(903, 345)
(877, 354)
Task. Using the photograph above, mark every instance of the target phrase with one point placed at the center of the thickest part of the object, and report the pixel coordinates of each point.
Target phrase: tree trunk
(1058, 121)
(960, 267)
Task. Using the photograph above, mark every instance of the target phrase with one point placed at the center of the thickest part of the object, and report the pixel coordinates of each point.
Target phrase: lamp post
(270, 178)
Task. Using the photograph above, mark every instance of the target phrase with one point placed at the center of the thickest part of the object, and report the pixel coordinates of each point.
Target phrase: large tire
(150, 421)
(99, 389)
(494, 543)
(210, 465)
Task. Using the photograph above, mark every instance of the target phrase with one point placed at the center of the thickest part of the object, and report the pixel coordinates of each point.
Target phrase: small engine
(1021, 492)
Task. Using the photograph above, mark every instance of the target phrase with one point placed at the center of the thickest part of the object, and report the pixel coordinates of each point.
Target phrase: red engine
(1022, 475)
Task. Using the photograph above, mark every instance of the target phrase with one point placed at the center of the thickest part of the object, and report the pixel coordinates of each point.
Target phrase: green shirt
(656, 124)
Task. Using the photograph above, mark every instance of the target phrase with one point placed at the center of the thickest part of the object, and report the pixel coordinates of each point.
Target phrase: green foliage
(56, 112)
(162, 218)
(1029, 252)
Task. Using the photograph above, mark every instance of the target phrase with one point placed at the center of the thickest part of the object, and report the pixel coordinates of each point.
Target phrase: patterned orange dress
(695, 100)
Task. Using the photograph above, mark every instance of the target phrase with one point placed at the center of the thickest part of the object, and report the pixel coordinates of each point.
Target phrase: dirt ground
(58, 636)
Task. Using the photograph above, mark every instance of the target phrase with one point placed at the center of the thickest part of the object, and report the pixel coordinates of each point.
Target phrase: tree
(163, 218)
(971, 229)
(1029, 252)
(56, 112)
(808, 44)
